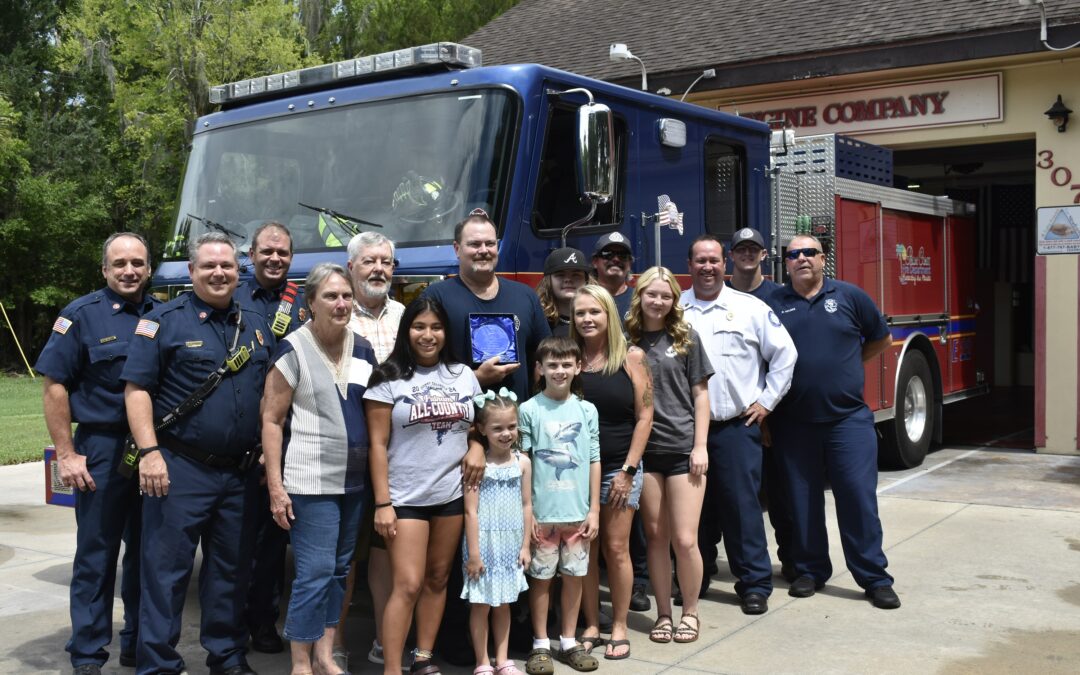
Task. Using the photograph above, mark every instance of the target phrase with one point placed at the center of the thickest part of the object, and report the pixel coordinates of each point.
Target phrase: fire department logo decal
(913, 268)
(830, 305)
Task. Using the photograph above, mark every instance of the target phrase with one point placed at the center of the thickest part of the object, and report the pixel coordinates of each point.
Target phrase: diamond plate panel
(805, 185)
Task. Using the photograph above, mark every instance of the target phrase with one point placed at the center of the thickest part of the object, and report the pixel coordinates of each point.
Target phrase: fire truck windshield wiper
(214, 225)
(343, 220)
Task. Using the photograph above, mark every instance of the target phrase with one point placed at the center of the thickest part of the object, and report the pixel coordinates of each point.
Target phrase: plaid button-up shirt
(380, 330)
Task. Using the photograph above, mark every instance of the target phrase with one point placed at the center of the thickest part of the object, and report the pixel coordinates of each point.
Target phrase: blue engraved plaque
(493, 335)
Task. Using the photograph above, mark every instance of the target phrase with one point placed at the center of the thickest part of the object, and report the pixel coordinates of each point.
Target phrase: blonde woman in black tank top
(617, 381)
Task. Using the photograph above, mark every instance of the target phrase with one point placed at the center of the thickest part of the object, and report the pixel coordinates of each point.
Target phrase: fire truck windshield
(415, 166)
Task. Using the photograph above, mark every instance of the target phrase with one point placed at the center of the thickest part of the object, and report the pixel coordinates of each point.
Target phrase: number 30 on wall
(1059, 175)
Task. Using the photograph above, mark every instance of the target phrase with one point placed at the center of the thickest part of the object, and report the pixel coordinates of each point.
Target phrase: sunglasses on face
(611, 255)
(794, 253)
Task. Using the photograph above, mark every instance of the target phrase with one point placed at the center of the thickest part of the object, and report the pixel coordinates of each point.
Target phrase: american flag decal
(669, 213)
(61, 325)
(147, 328)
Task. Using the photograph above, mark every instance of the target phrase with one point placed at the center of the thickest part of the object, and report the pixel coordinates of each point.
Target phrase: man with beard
(375, 314)
(81, 365)
(824, 429)
(197, 474)
(611, 260)
(478, 291)
(281, 302)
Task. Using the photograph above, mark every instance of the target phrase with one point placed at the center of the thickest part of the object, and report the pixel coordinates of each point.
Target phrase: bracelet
(143, 452)
(384, 505)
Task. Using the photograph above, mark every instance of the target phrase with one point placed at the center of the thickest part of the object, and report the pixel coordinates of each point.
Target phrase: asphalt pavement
(984, 545)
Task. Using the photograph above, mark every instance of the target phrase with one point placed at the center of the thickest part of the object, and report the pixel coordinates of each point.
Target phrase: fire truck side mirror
(595, 153)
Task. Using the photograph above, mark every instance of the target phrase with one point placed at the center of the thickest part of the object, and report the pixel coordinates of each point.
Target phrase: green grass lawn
(22, 424)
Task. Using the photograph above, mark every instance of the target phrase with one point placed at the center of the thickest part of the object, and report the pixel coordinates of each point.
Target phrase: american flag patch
(147, 328)
(61, 326)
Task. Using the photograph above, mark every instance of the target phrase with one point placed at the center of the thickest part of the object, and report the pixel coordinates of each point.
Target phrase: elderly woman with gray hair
(319, 375)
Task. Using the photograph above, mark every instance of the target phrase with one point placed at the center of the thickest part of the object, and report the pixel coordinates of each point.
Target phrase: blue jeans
(323, 537)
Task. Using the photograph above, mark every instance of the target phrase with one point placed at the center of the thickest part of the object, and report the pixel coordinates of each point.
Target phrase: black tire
(905, 439)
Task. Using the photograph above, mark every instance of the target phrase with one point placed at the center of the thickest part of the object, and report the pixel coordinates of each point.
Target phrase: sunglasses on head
(608, 254)
(794, 253)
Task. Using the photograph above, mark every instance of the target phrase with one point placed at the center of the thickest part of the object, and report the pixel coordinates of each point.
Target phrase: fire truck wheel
(906, 438)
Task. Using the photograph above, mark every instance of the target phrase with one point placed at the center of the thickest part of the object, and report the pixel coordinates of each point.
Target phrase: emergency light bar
(448, 54)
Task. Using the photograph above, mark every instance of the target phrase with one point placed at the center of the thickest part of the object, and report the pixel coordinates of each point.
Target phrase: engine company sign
(930, 103)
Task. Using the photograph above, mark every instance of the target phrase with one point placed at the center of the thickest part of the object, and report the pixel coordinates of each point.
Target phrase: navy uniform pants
(845, 453)
(105, 517)
(216, 507)
(268, 571)
(731, 501)
(772, 479)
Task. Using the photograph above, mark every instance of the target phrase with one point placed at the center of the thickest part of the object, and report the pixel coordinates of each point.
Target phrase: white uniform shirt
(749, 348)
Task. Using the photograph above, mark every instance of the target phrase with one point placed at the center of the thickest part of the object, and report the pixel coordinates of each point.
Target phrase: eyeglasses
(608, 254)
(794, 253)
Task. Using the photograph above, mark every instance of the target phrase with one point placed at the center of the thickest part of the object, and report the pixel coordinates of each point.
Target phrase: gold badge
(259, 337)
(302, 315)
(193, 344)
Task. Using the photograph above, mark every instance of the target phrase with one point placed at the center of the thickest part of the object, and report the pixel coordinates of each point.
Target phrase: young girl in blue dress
(498, 518)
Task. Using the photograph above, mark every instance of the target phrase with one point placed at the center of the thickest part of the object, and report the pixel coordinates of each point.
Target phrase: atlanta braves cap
(565, 259)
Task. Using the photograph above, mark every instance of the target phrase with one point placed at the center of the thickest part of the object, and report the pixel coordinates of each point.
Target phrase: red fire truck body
(913, 254)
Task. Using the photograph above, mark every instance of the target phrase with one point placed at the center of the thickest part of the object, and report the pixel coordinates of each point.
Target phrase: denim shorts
(635, 486)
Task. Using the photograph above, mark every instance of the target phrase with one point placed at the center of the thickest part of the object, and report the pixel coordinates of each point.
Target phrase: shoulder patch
(61, 325)
(147, 328)
(773, 319)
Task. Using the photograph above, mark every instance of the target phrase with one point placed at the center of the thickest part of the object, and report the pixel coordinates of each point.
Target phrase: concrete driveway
(984, 545)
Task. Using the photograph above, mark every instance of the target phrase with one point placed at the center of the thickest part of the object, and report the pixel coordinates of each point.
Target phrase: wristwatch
(629, 469)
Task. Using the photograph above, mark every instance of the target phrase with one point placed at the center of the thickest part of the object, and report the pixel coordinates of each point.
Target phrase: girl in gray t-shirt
(676, 457)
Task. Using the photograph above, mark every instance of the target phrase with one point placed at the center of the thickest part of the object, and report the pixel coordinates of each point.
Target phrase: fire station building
(972, 97)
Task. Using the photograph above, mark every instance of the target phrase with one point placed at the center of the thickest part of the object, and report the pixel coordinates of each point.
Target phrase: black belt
(213, 461)
(105, 427)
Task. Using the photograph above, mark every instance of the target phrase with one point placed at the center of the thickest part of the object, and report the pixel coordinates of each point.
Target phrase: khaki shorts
(560, 548)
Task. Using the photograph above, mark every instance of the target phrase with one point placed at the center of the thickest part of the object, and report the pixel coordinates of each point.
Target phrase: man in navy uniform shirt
(197, 474)
(280, 302)
(823, 427)
(747, 253)
(81, 363)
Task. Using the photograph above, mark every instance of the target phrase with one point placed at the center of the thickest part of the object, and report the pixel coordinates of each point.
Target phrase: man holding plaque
(495, 324)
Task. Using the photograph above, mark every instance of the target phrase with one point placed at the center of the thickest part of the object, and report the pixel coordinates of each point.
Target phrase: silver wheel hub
(915, 411)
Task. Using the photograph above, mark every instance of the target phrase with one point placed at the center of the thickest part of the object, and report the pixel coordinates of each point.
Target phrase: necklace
(340, 369)
(595, 363)
(657, 334)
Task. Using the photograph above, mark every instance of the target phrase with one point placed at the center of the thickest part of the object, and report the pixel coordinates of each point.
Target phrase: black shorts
(667, 464)
(454, 508)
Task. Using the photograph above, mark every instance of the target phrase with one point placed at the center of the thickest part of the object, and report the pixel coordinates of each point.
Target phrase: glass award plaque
(493, 335)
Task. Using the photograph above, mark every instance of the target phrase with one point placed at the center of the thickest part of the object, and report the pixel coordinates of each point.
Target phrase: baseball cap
(565, 259)
(612, 239)
(747, 234)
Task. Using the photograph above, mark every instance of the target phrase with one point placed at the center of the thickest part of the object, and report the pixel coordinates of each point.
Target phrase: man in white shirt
(754, 358)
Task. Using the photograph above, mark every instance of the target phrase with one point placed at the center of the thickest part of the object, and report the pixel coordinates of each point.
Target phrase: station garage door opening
(999, 179)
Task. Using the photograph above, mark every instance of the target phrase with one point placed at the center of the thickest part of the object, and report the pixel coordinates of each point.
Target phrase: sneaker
(639, 599)
(375, 655)
(341, 658)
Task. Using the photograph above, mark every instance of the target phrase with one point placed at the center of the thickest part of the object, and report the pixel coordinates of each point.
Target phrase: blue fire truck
(407, 143)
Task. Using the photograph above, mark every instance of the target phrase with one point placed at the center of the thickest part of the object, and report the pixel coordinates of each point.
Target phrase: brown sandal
(686, 632)
(662, 630)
